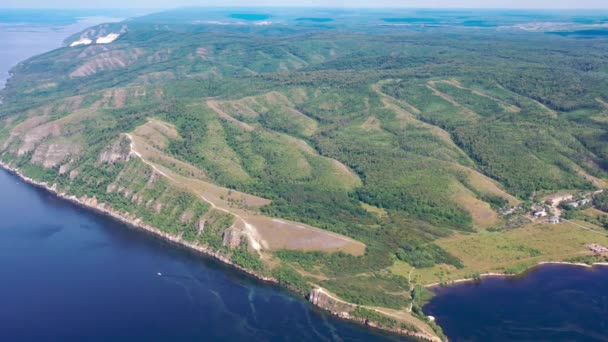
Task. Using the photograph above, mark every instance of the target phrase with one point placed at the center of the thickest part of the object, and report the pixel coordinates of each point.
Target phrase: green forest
(379, 133)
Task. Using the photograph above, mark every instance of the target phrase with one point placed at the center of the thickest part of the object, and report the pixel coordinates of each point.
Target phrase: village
(555, 209)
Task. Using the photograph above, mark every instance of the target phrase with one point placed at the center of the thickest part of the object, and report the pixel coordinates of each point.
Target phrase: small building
(584, 201)
(573, 204)
(597, 248)
(540, 213)
(553, 219)
(537, 207)
(579, 203)
(509, 211)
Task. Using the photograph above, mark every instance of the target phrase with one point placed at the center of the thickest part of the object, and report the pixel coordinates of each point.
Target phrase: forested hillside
(323, 153)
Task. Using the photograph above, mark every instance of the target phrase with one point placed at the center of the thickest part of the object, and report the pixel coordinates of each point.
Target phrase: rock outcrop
(49, 155)
(117, 152)
(232, 237)
(320, 298)
(200, 226)
(35, 136)
(110, 60)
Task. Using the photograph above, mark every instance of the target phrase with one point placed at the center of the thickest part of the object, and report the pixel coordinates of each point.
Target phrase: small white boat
(160, 274)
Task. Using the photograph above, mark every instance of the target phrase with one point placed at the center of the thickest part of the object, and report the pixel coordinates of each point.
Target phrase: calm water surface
(551, 303)
(19, 41)
(69, 274)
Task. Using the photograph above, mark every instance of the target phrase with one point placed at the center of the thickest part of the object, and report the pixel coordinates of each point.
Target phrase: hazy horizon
(380, 4)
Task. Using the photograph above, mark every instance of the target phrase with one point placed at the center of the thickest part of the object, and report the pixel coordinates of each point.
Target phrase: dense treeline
(600, 201)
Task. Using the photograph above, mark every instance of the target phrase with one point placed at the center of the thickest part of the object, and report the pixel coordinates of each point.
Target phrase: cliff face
(58, 148)
(371, 317)
(116, 152)
(231, 237)
(322, 299)
(54, 154)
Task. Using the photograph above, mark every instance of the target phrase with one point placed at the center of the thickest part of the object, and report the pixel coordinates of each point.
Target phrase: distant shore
(513, 275)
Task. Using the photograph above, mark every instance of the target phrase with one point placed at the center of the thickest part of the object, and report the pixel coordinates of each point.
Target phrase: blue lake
(550, 303)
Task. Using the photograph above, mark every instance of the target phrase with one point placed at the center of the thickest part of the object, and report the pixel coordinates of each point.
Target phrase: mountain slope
(341, 159)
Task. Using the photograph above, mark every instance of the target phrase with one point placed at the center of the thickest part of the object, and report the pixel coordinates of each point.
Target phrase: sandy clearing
(486, 184)
(600, 183)
(482, 213)
(119, 98)
(286, 234)
(372, 123)
(83, 41)
(156, 133)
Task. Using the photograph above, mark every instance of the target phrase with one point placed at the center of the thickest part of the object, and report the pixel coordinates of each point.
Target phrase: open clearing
(482, 213)
(485, 184)
(486, 252)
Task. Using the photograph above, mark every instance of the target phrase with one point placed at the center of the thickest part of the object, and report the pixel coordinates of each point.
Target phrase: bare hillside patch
(482, 213)
(110, 60)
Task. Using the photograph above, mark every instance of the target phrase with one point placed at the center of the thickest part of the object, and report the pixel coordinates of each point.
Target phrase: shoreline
(136, 223)
(513, 275)
(91, 203)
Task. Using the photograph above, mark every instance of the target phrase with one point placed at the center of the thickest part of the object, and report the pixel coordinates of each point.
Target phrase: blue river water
(549, 303)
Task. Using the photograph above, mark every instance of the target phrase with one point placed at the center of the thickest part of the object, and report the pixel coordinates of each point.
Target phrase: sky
(527, 4)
